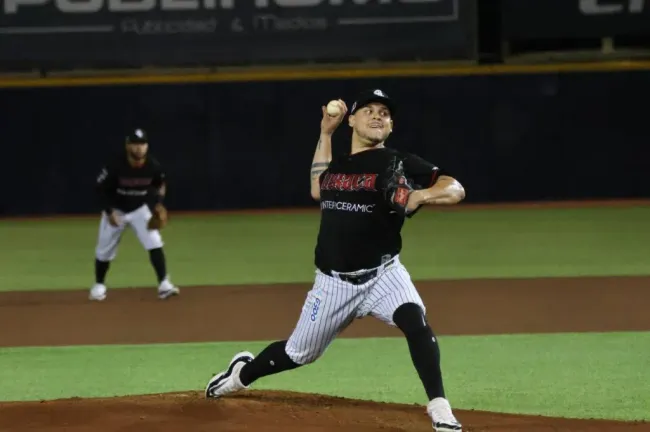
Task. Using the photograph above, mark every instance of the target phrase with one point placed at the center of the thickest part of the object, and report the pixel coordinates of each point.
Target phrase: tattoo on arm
(318, 168)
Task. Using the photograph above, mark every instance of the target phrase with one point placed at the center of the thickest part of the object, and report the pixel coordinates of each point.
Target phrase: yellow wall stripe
(284, 74)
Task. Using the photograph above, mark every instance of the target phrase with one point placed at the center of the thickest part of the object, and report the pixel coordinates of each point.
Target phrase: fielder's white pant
(332, 305)
(109, 236)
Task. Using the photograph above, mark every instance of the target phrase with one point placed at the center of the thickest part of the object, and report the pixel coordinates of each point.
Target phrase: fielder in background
(365, 197)
(132, 188)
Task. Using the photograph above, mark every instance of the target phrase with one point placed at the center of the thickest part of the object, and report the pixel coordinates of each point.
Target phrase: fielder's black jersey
(126, 188)
(360, 227)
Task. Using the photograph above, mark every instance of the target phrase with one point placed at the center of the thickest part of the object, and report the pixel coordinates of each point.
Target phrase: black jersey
(360, 227)
(126, 188)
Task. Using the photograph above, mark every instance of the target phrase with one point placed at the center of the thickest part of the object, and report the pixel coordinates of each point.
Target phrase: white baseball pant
(109, 236)
(333, 304)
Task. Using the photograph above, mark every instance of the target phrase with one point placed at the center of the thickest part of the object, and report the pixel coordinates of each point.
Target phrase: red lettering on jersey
(349, 182)
(369, 181)
(346, 183)
(323, 184)
(327, 182)
(338, 182)
(332, 182)
(134, 182)
(354, 179)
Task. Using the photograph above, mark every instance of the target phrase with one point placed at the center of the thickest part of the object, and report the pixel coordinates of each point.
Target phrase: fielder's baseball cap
(370, 96)
(137, 136)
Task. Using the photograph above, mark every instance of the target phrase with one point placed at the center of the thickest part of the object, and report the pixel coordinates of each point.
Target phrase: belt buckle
(354, 280)
(363, 278)
(360, 279)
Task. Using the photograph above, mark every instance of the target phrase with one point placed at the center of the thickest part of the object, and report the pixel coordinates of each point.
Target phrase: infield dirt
(132, 316)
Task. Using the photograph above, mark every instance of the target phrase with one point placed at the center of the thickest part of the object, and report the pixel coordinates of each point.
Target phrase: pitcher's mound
(261, 411)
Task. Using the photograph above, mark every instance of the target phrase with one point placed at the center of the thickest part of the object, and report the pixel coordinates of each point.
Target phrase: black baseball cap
(137, 136)
(370, 96)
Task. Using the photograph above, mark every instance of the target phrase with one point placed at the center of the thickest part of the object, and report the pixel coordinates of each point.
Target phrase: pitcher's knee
(410, 317)
(303, 356)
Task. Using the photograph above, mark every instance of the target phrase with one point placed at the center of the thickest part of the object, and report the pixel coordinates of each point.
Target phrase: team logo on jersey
(134, 182)
(349, 182)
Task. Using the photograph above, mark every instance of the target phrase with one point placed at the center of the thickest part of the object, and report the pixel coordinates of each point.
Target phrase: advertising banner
(91, 33)
(531, 19)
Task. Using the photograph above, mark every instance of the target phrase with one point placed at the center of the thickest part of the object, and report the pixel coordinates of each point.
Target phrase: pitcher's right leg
(330, 306)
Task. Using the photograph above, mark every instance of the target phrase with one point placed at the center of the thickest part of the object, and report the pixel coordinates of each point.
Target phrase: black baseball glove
(398, 189)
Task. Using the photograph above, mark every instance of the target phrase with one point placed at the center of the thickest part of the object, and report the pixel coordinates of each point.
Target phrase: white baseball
(334, 108)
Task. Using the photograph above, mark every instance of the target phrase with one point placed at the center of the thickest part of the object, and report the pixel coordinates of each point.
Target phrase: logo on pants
(314, 309)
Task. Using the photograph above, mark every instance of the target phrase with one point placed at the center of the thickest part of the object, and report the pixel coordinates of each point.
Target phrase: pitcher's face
(372, 122)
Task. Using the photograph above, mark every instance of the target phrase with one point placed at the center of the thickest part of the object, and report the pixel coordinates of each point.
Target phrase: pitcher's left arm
(446, 190)
(414, 182)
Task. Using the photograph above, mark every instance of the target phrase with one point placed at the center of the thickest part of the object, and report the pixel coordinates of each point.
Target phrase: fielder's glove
(398, 189)
(158, 218)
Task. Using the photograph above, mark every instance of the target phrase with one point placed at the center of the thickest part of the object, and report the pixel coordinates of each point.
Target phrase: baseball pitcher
(365, 197)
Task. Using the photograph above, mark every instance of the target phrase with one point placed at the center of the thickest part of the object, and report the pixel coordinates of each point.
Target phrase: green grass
(571, 375)
(228, 249)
